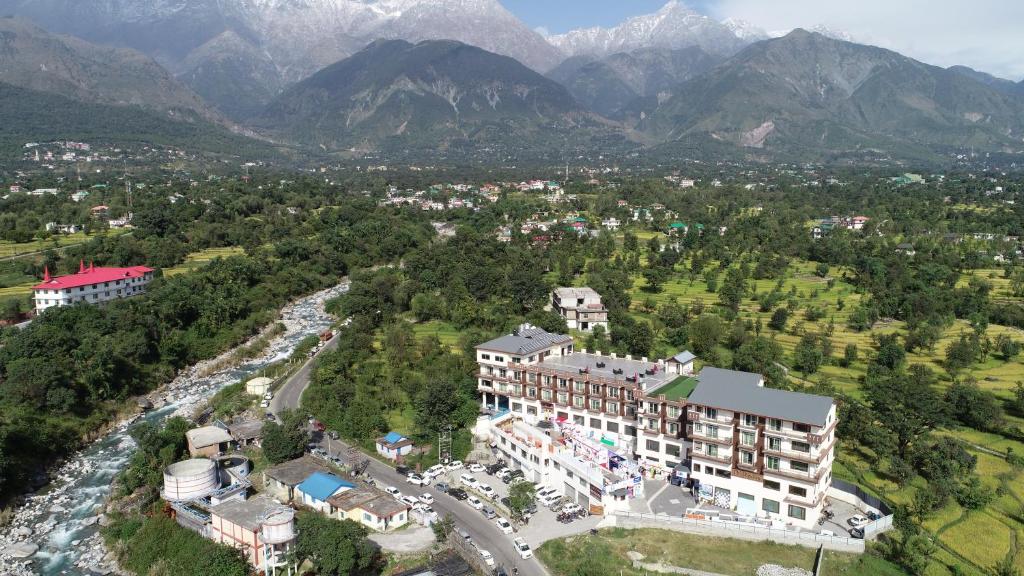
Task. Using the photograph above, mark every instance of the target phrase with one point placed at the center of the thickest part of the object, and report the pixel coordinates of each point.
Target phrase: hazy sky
(984, 34)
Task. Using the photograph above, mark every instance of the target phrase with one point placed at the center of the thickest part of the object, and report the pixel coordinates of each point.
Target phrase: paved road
(289, 395)
(483, 531)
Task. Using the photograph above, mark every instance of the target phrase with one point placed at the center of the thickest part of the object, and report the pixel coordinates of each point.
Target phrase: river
(63, 517)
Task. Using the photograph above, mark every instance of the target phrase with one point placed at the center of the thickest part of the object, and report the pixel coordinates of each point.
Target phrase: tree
(973, 406)
(890, 354)
(961, 353)
(655, 277)
(440, 404)
(779, 318)
(443, 527)
(629, 241)
(705, 333)
(807, 356)
(821, 270)
(849, 355)
(333, 547)
(285, 441)
(520, 497)
(757, 355)
(733, 289)
(1007, 346)
(906, 404)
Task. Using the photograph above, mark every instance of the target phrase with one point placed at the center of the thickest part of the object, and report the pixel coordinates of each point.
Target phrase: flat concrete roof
(245, 513)
(207, 436)
(293, 472)
(246, 429)
(578, 360)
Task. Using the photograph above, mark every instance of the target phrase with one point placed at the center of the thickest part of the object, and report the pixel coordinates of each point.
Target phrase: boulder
(21, 550)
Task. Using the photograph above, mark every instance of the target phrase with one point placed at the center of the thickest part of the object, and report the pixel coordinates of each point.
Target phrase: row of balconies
(809, 437)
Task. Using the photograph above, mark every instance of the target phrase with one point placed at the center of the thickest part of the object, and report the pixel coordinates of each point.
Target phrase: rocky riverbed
(56, 530)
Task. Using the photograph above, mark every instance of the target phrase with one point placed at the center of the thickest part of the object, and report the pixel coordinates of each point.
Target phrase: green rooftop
(677, 389)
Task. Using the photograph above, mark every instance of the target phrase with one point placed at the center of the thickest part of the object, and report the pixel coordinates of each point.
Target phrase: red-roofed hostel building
(91, 285)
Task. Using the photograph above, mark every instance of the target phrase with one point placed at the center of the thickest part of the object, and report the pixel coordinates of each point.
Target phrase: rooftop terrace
(579, 361)
(677, 389)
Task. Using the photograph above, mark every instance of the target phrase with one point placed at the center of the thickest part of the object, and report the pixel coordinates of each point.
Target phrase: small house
(681, 363)
(207, 441)
(393, 446)
(370, 507)
(318, 488)
(282, 480)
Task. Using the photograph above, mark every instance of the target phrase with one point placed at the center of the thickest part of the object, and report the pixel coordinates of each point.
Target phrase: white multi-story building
(91, 285)
(581, 308)
(563, 416)
(760, 451)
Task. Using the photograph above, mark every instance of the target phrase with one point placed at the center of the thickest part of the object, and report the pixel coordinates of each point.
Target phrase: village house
(282, 480)
(580, 307)
(208, 441)
(393, 446)
(316, 489)
(371, 507)
(90, 285)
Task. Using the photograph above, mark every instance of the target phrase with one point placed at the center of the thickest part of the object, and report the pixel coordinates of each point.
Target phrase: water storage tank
(278, 525)
(190, 479)
(258, 386)
(234, 469)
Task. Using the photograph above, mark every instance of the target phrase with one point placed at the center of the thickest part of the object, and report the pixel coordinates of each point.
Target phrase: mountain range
(455, 75)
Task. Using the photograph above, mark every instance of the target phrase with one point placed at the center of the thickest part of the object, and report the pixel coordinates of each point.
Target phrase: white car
(475, 502)
(468, 480)
(477, 467)
(455, 465)
(412, 502)
(549, 499)
(486, 491)
(488, 559)
(434, 471)
(858, 521)
(265, 404)
(417, 480)
(426, 499)
(268, 396)
(504, 525)
(522, 548)
(394, 492)
(571, 508)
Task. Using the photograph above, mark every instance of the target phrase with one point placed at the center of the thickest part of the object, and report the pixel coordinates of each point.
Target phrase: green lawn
(202, 258)
(681, 387)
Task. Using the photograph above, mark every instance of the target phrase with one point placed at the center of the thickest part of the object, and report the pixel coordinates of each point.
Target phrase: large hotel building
(755, 450)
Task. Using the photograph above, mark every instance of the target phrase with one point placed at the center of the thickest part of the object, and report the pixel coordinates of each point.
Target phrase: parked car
(268, 396)
(403, 470)
(571, 509)
(393, 491)
(503, 473)
(417, 480)
(468, 480)
(465, 535)
(512, 475)
(476, 467)
(857, 521)
(411, 501)
(455, 465)
(489, 512)
(522, 548)
(486, 490)
(426, 498)
(442, 487)
(857, 533)
(475, 502)
(504, 525)
(488, 559)
(434, 471)
(458, 493)
(495, 468)
(265, 404)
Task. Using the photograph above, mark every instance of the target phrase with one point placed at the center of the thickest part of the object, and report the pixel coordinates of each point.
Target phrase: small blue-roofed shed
(318, 487)
(393, 446)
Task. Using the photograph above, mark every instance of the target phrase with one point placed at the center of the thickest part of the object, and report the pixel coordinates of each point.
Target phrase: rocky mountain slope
(38, 60)
(428, 96)
(611, 84)
(238, 54)
(806, 93)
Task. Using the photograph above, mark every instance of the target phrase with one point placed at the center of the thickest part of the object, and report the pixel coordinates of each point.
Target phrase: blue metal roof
(393, 437)
(321, 485)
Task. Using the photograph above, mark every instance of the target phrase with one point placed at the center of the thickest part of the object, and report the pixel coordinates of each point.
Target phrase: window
(671, 449)
(485, 356)
(747, 458)
(595, 423)
(696, 467)
(698, 446)
(774, 443)
(578, 420)
(577, 401)
(517, 407)
(747, 438)
(595, 404)
(516, 360)
(531, 358)
(798, 491)
(749, 420)
(545, 395)
(770, 506)
(712, 413)
(499, 358)
(653, 446)
(612, 426)
(673, 428)
(771, 463)
(712, 432)
(698, 427)
(577, 387)
(630, 430)
(798, 466)
(772, 485)
(629, 395)
(673, 412)
(798, 427)
(801, 446)
(595, 389)
(652, 424)
(652, 407)
(531, 392)
(712, 450)
(563, 398)
(775, 424)
(613, 392)
(612, 407)
(722, 473)
(797, 512)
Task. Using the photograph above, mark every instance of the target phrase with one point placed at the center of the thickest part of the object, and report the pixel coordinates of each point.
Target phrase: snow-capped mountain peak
(745, 30)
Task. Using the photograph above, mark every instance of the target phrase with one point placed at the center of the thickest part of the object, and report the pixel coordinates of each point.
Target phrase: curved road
(483, 531)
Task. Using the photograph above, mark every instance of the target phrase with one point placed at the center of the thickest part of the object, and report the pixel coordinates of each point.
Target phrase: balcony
(722, 440)
(802, 456)
(808, 501)
(811, 477)
(727, 459)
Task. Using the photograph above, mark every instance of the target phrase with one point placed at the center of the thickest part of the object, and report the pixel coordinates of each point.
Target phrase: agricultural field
(202, 258)
(12, 249)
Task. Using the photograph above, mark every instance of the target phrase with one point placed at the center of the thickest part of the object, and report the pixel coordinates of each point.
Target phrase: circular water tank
(190, 480)
(258, 386)
(278, 525)
(233, 467)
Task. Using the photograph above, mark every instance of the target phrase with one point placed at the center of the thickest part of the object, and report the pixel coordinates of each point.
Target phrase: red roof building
(91, 285)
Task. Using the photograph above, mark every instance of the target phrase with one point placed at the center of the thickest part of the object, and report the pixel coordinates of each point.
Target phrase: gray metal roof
(526, 340)
(684, 357)
(740, 392)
